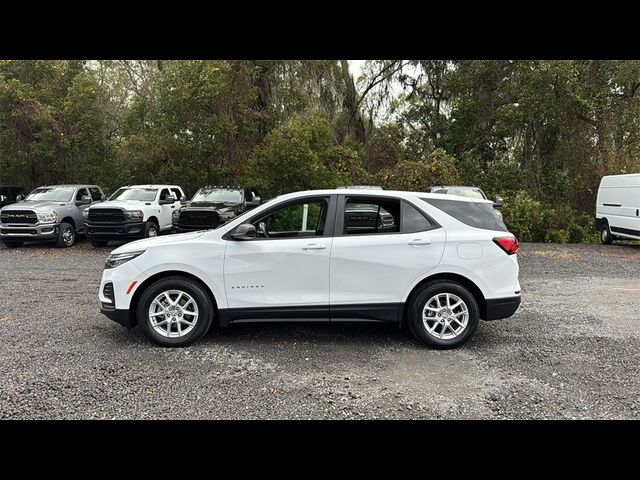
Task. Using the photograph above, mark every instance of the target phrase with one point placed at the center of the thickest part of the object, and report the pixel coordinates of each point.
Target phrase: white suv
(435, 264)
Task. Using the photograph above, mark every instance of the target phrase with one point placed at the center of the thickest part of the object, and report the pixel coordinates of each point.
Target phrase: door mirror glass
(3, 198)
(246, 231)
(498, 202)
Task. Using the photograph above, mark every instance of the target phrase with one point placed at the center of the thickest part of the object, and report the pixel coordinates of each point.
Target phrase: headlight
(47, 217)
(134, 215)
(175, 215)
(115, 260)
(85, 213)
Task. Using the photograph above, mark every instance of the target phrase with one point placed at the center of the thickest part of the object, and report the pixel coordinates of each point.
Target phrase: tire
(99, 243)
(9, 244)
(66, 235)
(177, 318)
(454, 334)
(605, 234)
(151, 230)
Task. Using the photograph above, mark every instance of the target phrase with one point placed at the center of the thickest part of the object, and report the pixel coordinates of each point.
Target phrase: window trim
(328, 224)
(342, 200)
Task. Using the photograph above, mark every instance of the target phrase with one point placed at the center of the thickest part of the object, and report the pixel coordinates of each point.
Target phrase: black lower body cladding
(498, 308)
(124, 231)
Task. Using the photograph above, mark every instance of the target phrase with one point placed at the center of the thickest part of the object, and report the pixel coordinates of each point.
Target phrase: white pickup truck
(133, 212)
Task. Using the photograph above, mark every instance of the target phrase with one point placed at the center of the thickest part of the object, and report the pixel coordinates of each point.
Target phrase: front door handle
(314, 246)
(419, 241)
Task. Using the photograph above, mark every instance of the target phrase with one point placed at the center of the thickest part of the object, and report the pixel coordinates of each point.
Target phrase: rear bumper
(101, 231)
(28, 233)
(120, 316)
(497, 308)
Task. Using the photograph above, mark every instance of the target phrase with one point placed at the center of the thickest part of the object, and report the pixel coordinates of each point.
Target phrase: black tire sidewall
(201, 297)
(60, 240)
(148, 227)
(604, 229)
(417, 304)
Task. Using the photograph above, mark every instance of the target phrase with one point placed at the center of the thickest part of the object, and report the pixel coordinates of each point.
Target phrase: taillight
(509, 244)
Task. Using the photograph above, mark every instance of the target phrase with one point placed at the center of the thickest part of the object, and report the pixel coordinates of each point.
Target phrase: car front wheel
(443, 315)
(175, 312)
(66, 235)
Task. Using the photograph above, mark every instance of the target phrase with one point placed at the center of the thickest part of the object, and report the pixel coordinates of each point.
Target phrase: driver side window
(305, 218)
(81, 193)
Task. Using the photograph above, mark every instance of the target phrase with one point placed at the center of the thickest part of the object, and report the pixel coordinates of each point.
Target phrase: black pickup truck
(213, 205)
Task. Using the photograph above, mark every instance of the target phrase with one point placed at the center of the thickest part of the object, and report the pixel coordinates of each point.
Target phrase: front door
(284, 272)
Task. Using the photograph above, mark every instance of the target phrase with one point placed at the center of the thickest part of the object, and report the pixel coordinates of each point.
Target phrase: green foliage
(301, 155)
(524, 216)
(438, 168)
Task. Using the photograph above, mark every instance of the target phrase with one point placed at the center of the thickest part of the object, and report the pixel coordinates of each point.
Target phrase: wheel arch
(69, 219)
(155, 220)
(453, 277)
(133, 306)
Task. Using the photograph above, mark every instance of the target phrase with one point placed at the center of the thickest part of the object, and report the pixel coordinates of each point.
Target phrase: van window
(478, 215)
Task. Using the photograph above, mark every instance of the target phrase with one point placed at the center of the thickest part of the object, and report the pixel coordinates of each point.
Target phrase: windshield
(463, 192)
(217, 195)
(140, 194)
(53, 194)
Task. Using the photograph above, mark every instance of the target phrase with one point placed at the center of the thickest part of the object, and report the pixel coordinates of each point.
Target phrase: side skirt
(381, 312)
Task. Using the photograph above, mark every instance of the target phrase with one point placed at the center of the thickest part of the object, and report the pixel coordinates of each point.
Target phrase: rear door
(381, 246)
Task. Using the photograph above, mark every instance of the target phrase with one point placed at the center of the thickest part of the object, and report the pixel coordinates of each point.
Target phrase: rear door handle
(419, 241)
(314, 246)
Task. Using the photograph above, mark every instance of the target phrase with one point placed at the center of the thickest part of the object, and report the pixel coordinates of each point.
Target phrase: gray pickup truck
(52, 213)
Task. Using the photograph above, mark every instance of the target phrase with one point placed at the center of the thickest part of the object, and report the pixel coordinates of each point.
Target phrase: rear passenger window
(177, 193)
(95, 194)
(478, 215)
(413, 220)
(371, 215)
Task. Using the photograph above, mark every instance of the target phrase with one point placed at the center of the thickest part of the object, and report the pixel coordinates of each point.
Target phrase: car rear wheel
(443, 315)
(13, 244)
(605, 234)
(175, 312)
(66, 235)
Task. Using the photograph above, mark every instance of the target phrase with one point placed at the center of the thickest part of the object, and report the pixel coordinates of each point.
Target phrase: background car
(466, 191)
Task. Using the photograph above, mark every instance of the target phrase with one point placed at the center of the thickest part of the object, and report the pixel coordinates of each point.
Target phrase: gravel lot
(571, 351)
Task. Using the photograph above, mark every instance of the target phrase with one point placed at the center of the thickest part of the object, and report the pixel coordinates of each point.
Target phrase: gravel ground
(571, 351)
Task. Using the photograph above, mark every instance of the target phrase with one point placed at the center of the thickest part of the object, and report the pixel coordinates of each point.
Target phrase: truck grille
(199, 218)
(19, 216)
(106, 215)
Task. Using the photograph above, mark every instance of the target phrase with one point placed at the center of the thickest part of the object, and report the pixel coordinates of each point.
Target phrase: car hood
(158, 242)
(37, 206)
(125, 204)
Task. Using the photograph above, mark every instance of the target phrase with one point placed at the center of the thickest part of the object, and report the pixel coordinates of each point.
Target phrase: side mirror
(255, 202)
(499, 201)
(246, 231)
(3, 198)
(169, 200)
(21, 197)
(84, 200)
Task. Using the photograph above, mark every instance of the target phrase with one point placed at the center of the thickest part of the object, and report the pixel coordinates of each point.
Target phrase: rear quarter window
(477, 215)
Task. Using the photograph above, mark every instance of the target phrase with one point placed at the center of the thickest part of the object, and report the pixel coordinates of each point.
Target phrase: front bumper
(115, 231)
(120, 316)
(28, 233)
(497, 308)
(175, 228)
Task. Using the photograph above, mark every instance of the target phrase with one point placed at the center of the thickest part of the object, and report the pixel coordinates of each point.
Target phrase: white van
(618, 207)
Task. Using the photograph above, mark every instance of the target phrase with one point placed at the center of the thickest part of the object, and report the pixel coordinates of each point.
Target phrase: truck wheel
(99, 243)
(605, 234)
(443, 315)
(12, 244)
(150, 230)
(66, 235)
(174, 312)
